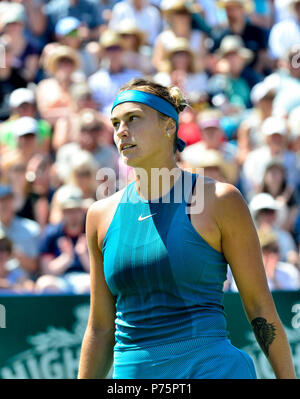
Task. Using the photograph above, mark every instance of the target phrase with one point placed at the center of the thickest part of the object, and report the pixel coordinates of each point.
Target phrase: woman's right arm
(98, 342)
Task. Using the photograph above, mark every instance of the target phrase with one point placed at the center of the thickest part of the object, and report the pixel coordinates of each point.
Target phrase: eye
(132, 118)
(116, 125)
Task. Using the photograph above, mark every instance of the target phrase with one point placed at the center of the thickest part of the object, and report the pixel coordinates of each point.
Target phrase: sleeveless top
(166, 279)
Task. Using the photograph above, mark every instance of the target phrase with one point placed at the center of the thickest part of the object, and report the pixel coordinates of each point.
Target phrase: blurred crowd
(61, 65)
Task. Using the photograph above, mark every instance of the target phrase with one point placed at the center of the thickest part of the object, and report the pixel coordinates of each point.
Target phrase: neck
(5, 72)
(155, 182)
(265, 112)
(74, 230)
(275, 151)
(64, 83)
(182, 31)
(237, 26)
(6, 222)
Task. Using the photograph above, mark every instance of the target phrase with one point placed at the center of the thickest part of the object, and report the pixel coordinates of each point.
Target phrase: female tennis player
(157, 269)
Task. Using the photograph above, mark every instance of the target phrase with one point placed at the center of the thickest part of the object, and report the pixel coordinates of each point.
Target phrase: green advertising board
(40, 336)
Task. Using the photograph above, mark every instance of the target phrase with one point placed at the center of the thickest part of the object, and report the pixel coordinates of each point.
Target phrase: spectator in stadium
(294, 130)
(89, 139)
(14, 174)
(64, 257)
(22, 104)
(179, 24)
(253, 36)
(249, 135)
(105, 83)
(36, 23)
(229, 80)
(274, 130)
(275, 183)
(288, 82)
(286, 33)
(83, 174)
(84, 10)
(263, 14)
(264, 209)
(136, 50)
(10, 77)
(25, 54)
(31, 184)
(67, 32)
(213, 138)
(53, 94)
(180, 69)
(213, 163)
(104, 9)
(145, 16)
(280, 275)
(22, 232)
(12, 276)
(25, 131)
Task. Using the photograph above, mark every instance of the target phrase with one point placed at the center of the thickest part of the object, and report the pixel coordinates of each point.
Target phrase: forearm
(27, 263)
(58, 265)
(96, 356)
(85, 261)
(36, 18)
(273, 341)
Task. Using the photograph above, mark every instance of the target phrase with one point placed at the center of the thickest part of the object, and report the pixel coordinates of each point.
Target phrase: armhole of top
(191, 194)
(114, 215)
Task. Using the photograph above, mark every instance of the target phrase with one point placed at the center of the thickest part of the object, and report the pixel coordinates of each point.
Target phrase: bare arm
(37, 20)
(241, 248)
(97, 345)
(27, 263)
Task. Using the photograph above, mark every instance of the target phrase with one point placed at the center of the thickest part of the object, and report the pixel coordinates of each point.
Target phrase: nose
(122, 130)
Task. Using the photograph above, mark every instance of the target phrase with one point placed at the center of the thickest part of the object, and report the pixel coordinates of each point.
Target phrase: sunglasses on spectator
(94, 129)
(267, 211)
(271, 248)
(72, 33)
(113, 48)
(84, 173)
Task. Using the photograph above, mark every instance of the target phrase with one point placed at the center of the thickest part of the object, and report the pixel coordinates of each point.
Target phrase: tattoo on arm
(264, 332)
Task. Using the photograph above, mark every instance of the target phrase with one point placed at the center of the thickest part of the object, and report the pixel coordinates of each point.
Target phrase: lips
(126, 146)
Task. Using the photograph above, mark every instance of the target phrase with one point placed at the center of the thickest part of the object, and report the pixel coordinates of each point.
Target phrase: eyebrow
(126, 114)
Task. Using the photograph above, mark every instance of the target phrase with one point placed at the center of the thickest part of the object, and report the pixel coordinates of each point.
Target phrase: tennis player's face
(137, 133)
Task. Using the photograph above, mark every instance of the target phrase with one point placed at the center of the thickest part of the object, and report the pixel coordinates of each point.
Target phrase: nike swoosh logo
(145, 217)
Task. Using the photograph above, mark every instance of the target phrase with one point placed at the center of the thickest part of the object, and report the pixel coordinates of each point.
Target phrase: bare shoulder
(230, 206)
(223, 200)
(219, 192)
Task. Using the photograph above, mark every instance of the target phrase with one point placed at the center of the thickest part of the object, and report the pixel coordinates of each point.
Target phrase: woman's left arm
(242, 250)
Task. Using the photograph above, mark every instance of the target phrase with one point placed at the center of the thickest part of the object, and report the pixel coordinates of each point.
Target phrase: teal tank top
(166, 279)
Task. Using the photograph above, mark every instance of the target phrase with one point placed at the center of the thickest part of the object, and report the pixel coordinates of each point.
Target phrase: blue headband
(153, 101)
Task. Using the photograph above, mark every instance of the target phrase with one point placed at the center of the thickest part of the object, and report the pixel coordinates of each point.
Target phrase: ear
(170, 127)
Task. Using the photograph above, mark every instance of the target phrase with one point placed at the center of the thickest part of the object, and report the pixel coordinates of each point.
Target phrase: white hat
(261, 89)
(21, 96)
(12, 12)
(273, 125)
(69, 197)
(294, 123)
(25, 125)
(234, 43)
(262, 201)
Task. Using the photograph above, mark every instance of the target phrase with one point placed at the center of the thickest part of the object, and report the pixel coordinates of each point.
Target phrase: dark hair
(6, 245)
(283, 185)
(171, 94)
